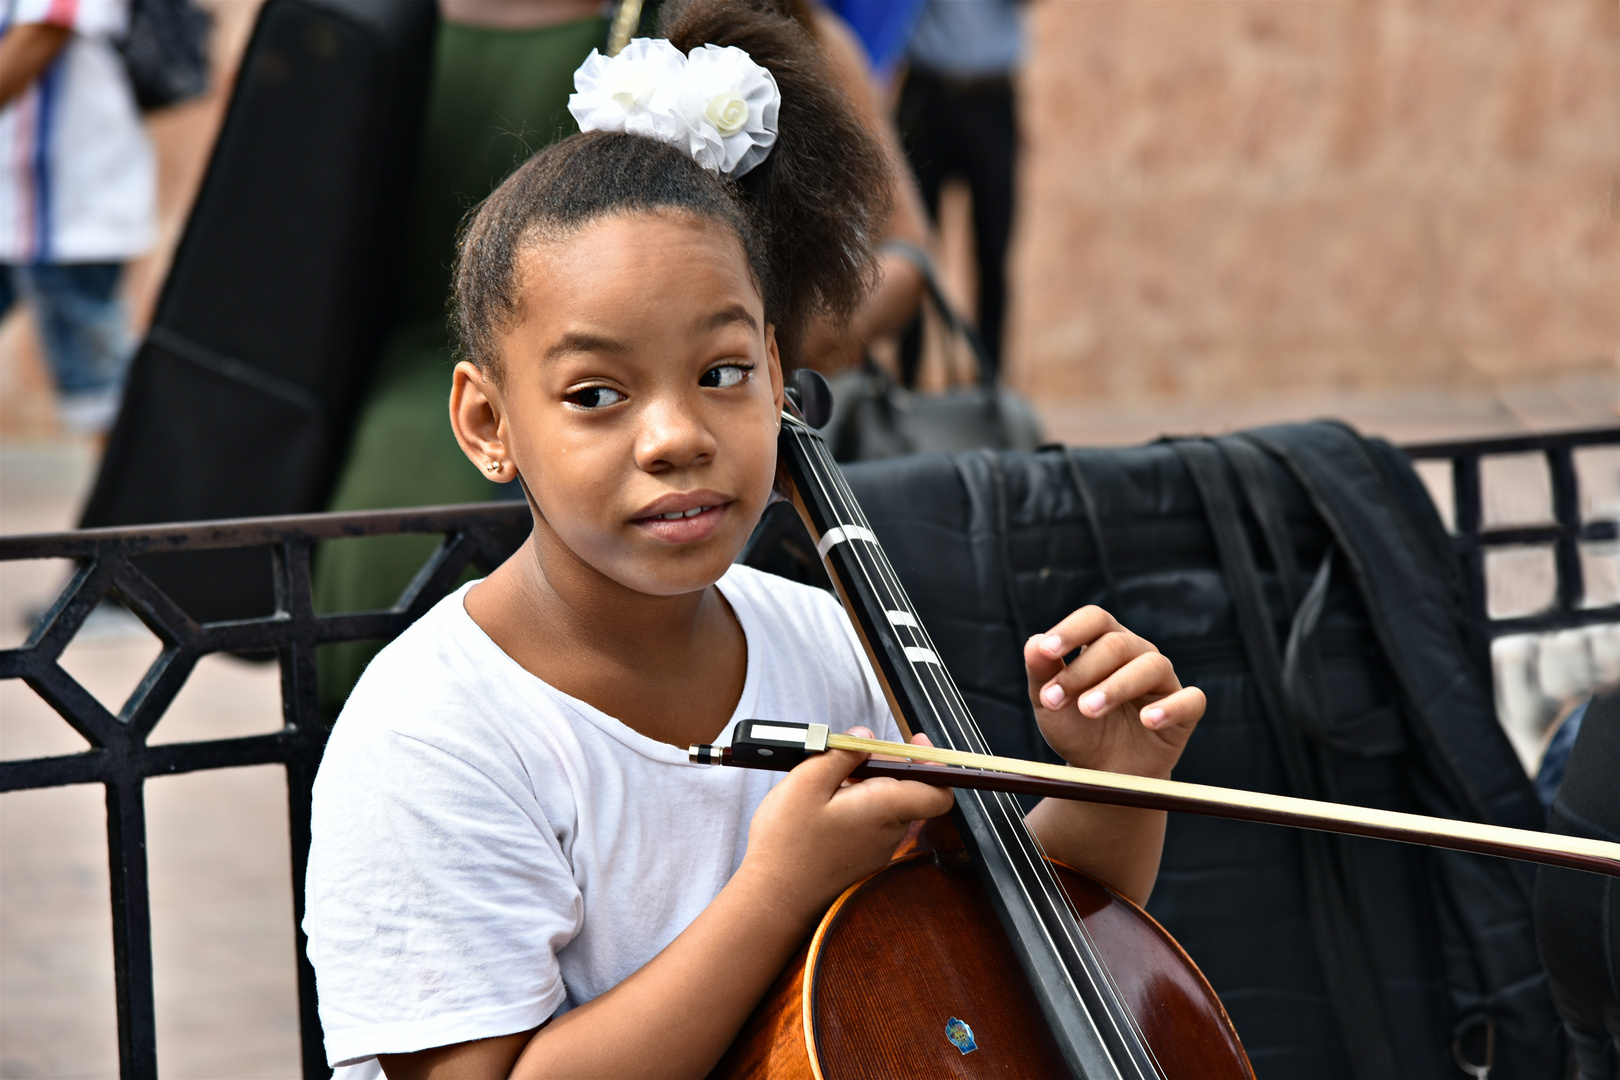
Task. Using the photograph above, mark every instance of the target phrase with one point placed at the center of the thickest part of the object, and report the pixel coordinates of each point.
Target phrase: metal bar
(312, 1040)
(259, 532)
(1566, 505)
(172, 759)
(88, 767)
(1547, 621)
(1589, 532)
(300, 704)
(1465, 490)
(1515, 444)
(132, 928)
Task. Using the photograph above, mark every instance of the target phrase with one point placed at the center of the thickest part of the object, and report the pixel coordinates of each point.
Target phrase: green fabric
(497, 97)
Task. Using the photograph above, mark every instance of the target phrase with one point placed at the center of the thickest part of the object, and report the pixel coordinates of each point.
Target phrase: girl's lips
(684, 530)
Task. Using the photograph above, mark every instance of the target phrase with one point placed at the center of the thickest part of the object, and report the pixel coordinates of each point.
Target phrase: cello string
(1012, 825)
(943, 692)
(840, 501)
(956, 720)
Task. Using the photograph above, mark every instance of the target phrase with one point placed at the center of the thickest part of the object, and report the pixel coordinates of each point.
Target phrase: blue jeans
(82, 330)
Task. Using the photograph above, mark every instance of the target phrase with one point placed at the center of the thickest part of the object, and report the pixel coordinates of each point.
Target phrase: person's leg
(990, 127)
(921, 126)
(85, 338)
(8, 289)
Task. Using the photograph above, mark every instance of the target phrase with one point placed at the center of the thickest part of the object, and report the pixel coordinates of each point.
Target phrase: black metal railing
(1565, 534)
(479, 536)
(120, 759)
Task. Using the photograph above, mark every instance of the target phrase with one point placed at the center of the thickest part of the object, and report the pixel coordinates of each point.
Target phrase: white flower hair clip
(715, 104)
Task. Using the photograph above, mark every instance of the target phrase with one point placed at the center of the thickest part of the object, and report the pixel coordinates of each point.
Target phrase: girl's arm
(811, 838)
(891, 305)
(26, 51)
(1117, 706)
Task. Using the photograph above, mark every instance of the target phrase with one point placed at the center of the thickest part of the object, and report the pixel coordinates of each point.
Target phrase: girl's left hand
(1117, 706)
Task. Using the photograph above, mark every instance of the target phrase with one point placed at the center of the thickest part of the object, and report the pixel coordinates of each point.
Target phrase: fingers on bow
(1114, 666)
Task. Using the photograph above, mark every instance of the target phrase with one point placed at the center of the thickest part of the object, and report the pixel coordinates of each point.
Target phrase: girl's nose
(673, 436)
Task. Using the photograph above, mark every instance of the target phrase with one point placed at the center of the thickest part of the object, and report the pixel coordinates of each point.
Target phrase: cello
(908, 973)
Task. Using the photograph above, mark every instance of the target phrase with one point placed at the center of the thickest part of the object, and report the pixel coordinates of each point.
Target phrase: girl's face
(640, 398)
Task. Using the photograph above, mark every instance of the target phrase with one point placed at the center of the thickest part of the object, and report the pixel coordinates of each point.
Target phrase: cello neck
(1095, 1032)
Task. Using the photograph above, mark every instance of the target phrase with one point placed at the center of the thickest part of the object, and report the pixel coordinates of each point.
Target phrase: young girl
(515, 869)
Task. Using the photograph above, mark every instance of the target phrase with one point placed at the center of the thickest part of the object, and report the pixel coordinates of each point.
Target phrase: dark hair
(807, 216)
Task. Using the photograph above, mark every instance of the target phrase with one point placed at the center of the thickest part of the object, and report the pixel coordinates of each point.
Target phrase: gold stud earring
(493, 466)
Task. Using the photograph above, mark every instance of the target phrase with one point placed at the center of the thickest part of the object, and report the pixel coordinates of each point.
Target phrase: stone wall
(1233, 197)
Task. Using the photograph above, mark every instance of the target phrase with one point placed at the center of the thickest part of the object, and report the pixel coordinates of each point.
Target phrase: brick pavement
(217, 843)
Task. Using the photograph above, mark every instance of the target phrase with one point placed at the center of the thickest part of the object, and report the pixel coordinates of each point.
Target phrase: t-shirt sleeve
(437, 897)
(104, 18)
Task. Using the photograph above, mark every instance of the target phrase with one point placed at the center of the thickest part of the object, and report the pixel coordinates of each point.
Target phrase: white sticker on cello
(920, 656)
(902, 618)
(838, 534)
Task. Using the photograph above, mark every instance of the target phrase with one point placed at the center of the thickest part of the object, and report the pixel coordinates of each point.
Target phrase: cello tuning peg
(811, 397)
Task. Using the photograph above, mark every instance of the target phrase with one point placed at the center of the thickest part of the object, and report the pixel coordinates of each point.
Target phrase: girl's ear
(773, 364)
(478, 418)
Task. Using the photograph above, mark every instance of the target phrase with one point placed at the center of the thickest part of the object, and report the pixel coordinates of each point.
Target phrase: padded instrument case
(241, 396)
(1301, 576)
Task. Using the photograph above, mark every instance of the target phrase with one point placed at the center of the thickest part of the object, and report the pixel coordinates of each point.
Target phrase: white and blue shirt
(77, 177)
(969, 39)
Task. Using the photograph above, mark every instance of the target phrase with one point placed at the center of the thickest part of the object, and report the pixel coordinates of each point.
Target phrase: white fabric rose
(729, 104)
(715, 104)
(633, 92)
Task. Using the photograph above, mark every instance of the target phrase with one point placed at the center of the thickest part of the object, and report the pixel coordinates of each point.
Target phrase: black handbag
(166, 52)
(874, 417)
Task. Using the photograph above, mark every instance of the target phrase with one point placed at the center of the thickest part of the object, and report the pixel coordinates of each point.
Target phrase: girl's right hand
(818, 832)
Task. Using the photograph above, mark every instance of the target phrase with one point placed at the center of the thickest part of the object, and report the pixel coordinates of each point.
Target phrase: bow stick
(778, 746)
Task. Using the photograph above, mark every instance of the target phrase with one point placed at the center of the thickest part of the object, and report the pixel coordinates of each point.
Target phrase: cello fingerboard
(1093, 1029)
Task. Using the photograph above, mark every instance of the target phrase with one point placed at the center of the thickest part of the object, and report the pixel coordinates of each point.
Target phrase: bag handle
(953, 319)
(1336, 924)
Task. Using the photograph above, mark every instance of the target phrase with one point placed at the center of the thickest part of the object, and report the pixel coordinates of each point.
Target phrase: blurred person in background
(893, 304)
(77, 181)
(502, 73)
(958, 119)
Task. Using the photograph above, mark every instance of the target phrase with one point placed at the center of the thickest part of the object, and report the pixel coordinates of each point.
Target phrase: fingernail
(1053, 696)
(1094, 702)
(1154, 716)
(1052, 644)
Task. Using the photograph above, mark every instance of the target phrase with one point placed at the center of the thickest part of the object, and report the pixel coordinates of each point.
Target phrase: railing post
(1566, 507)
(131, 923)
(1468, 512)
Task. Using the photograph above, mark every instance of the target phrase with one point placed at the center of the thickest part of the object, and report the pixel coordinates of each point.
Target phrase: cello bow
(779, 745)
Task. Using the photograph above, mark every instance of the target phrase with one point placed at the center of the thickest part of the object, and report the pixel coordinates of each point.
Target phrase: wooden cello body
(908, 951)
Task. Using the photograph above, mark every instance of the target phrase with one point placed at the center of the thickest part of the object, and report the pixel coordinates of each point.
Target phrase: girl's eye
(595, 397)
(725, 376)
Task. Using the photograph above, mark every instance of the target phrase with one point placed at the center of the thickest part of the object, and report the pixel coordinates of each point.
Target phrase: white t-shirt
(488, 851)
(77, 175)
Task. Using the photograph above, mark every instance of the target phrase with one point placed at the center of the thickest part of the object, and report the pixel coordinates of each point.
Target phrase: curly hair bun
(824, 193)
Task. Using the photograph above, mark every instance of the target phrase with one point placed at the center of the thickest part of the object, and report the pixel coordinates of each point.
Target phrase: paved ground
(221, 887)
(220, 884)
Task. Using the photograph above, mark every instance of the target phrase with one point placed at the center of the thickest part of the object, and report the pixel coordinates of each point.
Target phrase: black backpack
(1301, 577)
(165, 52)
